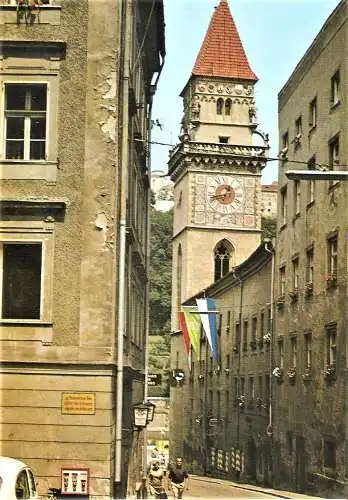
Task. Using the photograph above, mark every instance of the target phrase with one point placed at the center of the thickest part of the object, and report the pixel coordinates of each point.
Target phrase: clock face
(225, 194)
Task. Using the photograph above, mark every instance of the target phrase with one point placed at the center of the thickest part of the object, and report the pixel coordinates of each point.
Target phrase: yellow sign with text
(78, 403)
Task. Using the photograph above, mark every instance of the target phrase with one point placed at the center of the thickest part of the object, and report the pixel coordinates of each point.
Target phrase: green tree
(268, 227)
(160, 298)
(160, 271)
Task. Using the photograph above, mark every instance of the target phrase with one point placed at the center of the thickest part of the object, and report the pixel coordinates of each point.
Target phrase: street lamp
(333, 175)
(151, 410)
(140, 415)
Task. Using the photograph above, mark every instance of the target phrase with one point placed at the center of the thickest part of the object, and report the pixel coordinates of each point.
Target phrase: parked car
(16, 480)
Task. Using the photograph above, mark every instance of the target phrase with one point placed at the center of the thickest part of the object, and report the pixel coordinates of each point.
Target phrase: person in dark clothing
(178, 478)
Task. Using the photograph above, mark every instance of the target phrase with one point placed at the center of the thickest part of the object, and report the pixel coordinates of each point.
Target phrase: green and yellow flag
(193, 324)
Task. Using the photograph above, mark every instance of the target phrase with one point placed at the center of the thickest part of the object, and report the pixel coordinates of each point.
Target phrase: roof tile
(222, 53)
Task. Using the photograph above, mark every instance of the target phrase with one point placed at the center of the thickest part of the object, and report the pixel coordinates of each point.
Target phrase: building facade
(77, 82)
(310, 414)
(216, 171)
(269, 197)
(229, 403)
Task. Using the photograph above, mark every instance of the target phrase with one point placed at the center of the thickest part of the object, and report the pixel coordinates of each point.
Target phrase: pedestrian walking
(155, 480)
(178, 478)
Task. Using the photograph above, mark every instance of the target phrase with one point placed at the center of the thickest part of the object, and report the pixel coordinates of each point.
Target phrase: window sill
(28, 170)
(48, 14)
(26, 322)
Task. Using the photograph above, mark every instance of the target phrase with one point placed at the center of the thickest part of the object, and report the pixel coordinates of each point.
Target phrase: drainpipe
(269, 429)
(152, 91)
(125, 30)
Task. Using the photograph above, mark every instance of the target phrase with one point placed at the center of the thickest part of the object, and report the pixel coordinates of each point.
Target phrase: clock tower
(217, 165)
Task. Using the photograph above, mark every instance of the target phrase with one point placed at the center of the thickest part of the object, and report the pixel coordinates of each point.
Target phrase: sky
(275, 35)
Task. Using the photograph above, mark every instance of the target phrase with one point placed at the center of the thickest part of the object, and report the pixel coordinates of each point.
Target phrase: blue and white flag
(207, 310)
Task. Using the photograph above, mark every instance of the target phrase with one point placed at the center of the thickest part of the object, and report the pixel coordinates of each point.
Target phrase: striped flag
(209, 323)
(193, 325)
(185, 335)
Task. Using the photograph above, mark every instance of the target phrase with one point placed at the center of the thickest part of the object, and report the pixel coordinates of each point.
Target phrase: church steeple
(222, 53)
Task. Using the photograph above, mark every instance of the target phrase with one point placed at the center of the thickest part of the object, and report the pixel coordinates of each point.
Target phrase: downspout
(269, 429)
(152, 91)
(125, 40)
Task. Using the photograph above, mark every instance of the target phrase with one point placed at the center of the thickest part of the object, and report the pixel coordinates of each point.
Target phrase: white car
(16, 480)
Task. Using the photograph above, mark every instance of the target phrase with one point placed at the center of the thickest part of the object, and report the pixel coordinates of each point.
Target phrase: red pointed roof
(222, 53)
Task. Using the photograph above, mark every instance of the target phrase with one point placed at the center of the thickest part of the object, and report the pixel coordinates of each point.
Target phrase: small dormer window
(219, 106)
(223, 139)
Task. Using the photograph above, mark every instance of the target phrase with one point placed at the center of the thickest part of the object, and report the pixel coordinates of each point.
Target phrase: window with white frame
(26, 263)
(313, 109)
(293, 352)
(297, 197)
(21, 280)
(25, 121)
(282, 281)
(295, 273)
(332, 257)
(310, 265)
(335, 88)
(331, 350)
(308, 350)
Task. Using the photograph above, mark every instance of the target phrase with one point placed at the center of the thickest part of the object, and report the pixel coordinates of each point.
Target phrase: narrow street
(210, 488)
(200, 487)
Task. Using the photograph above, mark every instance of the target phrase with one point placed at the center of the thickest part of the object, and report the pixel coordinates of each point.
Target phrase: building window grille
(25, 121)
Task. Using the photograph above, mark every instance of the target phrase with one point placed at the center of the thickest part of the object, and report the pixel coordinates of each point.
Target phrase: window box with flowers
(280, 303)
(330, 372)
(236, 348)
(331, 281)
(267, 337)
(259, 402)
(30, 12)
(293, 295)
(309, 289)
(241, 401)
(307, 375)
(292, 375)
(278, 373)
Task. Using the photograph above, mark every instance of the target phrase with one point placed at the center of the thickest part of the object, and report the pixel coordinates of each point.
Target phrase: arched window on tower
(219, 106)
(223, 254)
(228, 106)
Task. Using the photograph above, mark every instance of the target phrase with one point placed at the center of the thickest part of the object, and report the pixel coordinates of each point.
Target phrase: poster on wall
(75, 482)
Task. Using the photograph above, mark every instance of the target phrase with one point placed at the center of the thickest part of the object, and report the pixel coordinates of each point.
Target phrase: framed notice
(78, 403)
(75, 481)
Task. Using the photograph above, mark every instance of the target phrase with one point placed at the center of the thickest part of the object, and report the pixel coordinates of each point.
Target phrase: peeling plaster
(101, 222)
(109, 128)
(112, 86)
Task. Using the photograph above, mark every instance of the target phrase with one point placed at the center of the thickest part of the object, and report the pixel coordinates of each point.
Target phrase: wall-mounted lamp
(151, 410)
(140, 415)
